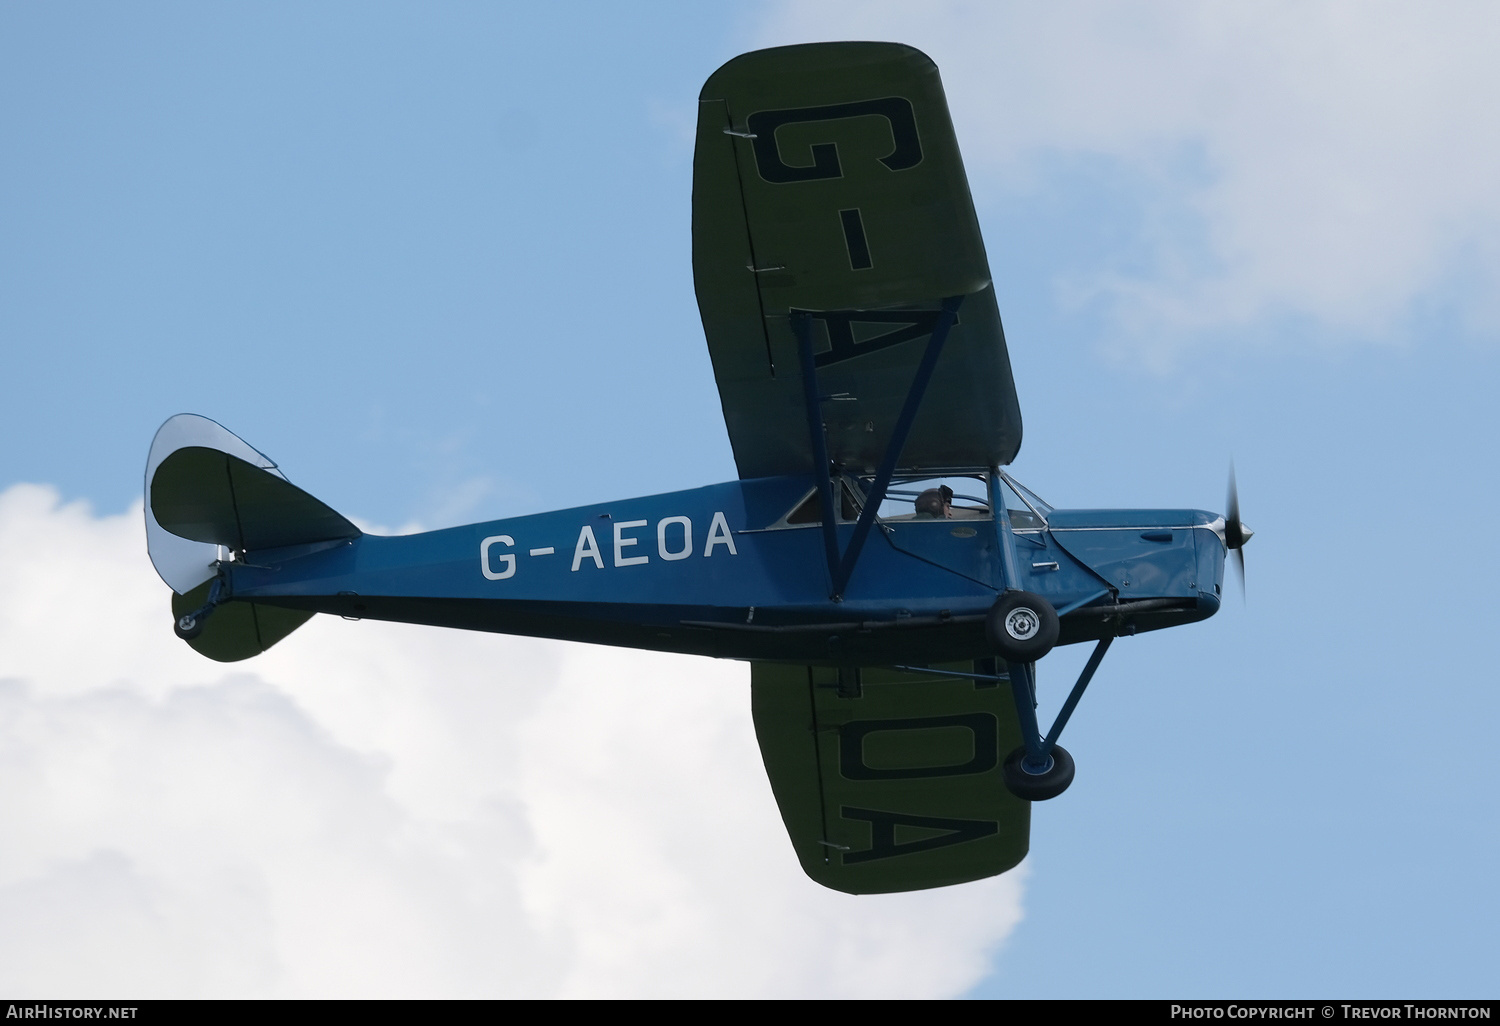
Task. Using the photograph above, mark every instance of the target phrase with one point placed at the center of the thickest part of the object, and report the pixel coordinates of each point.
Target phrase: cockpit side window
(810, 509)
(920, 499)
(968, 500)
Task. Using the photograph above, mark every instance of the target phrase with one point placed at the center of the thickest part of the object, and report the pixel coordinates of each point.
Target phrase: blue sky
(434, 259)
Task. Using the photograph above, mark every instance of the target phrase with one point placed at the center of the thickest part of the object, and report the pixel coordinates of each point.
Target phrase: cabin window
(968, 502)
(810, 509)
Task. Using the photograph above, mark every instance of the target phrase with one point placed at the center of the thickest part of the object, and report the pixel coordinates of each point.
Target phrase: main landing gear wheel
(1021, 626)
(188, 627)
(1038, 787)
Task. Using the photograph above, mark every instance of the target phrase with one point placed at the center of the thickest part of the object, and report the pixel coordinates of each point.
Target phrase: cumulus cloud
(381, 810)
(1331, 162)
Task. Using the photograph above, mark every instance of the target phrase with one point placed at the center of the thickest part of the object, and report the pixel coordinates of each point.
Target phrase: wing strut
(822, 472)
(841, 568)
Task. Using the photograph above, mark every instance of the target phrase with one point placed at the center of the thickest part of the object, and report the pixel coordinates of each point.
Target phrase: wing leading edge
(827, 181)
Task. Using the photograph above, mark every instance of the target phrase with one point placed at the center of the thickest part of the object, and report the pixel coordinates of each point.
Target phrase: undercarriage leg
(1077, 692)
(1041, 768)
(1023, 691)
(190, 625)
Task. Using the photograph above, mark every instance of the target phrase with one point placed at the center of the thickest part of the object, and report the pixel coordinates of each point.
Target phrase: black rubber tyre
(1036, 787)
(187, 628)
(1022, 627)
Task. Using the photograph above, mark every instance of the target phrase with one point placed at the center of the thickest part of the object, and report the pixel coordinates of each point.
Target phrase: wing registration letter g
(906, 149)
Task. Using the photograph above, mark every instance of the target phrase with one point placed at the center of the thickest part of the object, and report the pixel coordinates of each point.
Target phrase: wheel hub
(1035, 769)
(1022, 624)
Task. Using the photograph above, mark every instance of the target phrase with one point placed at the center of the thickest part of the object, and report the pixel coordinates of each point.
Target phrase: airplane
(892, 586)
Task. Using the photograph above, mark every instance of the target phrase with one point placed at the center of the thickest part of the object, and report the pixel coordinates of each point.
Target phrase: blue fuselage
(718, 571)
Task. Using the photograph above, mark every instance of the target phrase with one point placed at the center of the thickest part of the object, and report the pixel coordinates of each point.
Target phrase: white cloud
(381, 810)
(1332, 162)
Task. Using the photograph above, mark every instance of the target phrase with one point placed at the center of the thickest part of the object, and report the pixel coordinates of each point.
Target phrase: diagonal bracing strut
(841, 567)
(1023, 691)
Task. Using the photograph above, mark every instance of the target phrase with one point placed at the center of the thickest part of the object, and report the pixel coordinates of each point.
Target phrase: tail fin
(207, 491)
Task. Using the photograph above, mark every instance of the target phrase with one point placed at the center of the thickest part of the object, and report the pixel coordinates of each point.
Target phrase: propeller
(1236, 534)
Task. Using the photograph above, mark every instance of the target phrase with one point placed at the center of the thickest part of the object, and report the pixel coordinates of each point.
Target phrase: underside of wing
(827, 182)
(890, 781)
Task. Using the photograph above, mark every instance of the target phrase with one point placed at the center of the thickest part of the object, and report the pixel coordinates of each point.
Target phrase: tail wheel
(1038, 787)
(1022, 627)
(187, 627)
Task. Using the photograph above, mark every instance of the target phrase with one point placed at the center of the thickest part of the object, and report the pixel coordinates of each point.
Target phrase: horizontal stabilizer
(206, 495)
(237, 630)
(207, 489)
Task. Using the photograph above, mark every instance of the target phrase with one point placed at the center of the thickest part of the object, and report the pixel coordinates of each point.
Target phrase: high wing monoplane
(891, 585)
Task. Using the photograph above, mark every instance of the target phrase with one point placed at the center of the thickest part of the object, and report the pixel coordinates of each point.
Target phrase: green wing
(827, 179)
(891, 782)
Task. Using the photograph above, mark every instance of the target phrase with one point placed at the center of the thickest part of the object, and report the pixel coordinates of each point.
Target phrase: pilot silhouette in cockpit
(936, 502)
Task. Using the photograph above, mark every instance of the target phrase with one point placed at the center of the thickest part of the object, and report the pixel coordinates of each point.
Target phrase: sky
(434, 259)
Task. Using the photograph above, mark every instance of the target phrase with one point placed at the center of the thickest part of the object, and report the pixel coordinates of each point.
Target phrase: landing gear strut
(189, 625)
(1041, 768)
(1022, 628)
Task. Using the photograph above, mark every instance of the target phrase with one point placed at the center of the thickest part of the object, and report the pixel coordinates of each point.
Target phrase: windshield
(1019, 497)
